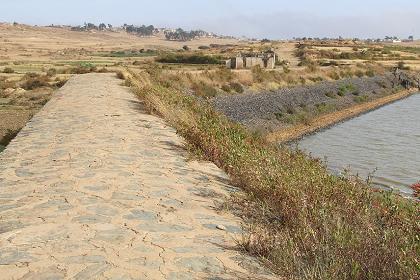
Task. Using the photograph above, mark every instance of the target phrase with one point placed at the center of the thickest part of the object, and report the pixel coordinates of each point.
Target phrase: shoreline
(322, 122)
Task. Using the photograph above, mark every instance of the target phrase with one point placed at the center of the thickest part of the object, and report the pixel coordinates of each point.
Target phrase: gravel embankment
(259, 110)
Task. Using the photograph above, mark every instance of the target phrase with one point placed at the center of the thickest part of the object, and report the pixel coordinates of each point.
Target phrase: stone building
(241, 61)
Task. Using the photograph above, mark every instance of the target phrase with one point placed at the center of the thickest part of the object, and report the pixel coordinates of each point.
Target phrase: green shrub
(343, 89)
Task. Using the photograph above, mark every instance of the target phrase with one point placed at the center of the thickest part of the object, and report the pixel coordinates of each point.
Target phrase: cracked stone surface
(95, 188)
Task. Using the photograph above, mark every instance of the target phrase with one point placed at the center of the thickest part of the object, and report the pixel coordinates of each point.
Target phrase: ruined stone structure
(264, 60)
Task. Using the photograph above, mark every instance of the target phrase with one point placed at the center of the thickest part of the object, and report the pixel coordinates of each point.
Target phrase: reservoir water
(384, 143)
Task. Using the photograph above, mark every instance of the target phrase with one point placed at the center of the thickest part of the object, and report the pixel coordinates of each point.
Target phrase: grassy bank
(302, 221)
(324, 121)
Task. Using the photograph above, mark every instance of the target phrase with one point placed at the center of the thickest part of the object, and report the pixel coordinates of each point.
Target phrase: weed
(361, 99)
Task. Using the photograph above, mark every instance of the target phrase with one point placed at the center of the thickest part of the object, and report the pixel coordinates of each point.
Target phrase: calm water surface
(386, 141)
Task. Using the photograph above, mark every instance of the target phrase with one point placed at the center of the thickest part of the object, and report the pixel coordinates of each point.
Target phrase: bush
(8, 70)
(32, 81)
(84, 68)
(189, 59)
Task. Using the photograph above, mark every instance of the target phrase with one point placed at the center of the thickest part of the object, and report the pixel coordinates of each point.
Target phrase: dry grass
(306, 223)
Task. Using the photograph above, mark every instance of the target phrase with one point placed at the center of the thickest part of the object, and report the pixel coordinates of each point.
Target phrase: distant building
(241, 61)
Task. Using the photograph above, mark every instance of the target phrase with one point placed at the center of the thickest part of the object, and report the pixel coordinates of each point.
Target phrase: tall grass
(304, 222)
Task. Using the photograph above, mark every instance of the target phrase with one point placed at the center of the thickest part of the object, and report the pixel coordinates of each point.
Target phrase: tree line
(87, 26)
(182, 35)
(140, 30)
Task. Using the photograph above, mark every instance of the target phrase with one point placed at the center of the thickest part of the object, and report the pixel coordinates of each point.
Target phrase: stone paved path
(94, 188)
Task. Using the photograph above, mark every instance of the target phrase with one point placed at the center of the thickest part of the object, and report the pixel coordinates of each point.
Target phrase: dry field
(29, 43)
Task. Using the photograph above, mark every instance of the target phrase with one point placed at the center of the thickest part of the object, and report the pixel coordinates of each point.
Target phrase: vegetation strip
(297, 131)
(306, 223)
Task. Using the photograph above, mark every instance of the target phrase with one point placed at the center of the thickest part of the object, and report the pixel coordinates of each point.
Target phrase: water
(386, 140)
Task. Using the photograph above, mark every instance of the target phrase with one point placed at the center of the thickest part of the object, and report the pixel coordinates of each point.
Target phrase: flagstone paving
(95, 188)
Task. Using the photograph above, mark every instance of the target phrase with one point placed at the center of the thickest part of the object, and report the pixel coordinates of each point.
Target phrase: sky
(272, 19)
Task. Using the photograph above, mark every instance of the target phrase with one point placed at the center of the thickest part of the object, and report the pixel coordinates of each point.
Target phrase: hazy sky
(274, 19)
